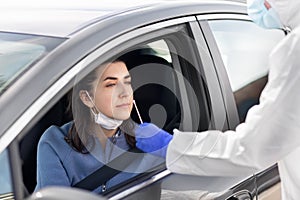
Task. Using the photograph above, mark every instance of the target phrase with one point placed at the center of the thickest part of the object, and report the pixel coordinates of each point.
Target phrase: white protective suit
(271, 132)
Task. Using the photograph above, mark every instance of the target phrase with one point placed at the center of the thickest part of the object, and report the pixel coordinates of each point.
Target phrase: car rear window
(19, 52)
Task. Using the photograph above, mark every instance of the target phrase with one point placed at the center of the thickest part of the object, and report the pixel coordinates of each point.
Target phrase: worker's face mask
(263, 14)
(101, 119)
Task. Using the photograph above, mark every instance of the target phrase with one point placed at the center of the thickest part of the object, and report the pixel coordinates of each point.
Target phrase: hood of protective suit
(288, 11)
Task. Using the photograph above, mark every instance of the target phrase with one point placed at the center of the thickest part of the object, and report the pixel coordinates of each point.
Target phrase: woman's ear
(86, 99)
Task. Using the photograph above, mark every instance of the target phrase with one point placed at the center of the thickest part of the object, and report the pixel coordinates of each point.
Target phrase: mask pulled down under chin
(107, 122)
(265, 18)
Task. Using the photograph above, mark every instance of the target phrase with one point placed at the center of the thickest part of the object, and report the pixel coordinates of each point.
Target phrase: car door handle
(241, 195)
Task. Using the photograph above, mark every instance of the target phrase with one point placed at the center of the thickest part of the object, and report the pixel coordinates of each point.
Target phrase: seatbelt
(105, 173)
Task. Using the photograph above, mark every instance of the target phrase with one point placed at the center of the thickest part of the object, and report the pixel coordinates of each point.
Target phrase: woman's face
(113, 91)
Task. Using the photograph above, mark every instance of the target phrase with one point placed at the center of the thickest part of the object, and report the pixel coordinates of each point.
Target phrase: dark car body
(206, 45)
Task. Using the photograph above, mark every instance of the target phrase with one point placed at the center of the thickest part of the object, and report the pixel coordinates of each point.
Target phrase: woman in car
(101, 106)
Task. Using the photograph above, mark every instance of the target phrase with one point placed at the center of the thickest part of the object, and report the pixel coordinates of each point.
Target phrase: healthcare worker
(271, 131)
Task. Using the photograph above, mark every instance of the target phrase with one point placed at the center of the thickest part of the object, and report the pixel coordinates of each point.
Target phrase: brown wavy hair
(80, 132)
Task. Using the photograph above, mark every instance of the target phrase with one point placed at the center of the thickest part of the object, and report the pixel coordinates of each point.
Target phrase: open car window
(169, 91)
(162, 84)
(155, 85)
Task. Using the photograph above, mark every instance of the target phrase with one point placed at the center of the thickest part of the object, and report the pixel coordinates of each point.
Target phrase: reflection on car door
(244, 48)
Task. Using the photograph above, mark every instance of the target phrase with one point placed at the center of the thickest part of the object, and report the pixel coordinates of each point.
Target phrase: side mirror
(63, 193)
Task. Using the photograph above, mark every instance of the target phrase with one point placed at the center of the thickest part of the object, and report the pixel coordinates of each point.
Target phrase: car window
(156, 95)
(163, 95)
(18, 52)
(6, 189)
(168, 89)
(155, 91)
(154, 84)
(245, 48)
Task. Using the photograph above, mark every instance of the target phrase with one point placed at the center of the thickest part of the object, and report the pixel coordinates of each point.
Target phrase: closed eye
(110, 85)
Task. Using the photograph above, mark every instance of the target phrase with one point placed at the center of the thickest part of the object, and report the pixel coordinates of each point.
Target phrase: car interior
(248, 96)
(146, 96)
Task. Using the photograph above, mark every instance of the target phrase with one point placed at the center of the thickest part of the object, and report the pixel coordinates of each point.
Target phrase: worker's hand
(151, 139)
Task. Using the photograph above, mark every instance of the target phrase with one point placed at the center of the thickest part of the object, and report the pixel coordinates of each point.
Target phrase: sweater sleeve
(50, 170)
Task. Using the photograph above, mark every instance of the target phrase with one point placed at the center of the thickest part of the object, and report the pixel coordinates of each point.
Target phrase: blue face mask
(265, 18)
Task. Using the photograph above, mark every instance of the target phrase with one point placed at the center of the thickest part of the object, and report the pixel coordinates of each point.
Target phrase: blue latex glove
(151, 139)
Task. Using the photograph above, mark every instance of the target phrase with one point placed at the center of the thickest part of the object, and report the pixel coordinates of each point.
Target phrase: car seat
(155, 88)
(57, 115)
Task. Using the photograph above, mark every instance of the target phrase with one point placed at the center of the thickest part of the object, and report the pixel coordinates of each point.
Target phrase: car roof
(63, 17)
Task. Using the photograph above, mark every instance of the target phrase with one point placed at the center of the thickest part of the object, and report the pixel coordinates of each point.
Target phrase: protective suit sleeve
(270, 131)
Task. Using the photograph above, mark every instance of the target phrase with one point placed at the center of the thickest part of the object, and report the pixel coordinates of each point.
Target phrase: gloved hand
(151, 139)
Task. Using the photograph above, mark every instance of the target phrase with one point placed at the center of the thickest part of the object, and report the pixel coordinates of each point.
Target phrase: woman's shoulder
(53, 142)
(56, 134)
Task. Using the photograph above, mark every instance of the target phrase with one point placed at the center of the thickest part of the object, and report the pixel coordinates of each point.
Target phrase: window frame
(14, 165)
(272, 171)
(246, 84)
(58, 89)
(227, 94)
(126, 190)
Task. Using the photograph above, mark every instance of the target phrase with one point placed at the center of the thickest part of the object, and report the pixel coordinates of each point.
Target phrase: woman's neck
(107, 134)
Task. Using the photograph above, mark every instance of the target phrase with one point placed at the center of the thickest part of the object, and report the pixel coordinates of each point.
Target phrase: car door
(171, 89)
(167, 42)
(231, 87)
(242, 49)
(200, 95)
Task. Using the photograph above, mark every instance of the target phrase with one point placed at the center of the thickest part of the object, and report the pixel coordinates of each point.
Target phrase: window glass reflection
(244, 48)
(5, 175)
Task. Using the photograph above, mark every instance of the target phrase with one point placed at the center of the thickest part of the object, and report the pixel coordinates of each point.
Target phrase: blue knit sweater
(59, 164)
